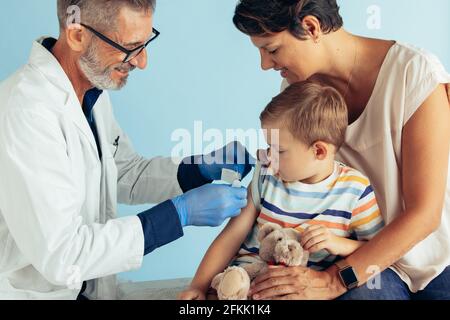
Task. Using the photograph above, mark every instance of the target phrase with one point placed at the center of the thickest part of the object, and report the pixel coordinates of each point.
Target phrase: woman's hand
(316, 238)
(192, 294)
(297, 283)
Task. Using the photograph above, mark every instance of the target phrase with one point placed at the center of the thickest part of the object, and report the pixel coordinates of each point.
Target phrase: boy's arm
(225, 246)
(365, 223)
(318, 237)
(348, 246)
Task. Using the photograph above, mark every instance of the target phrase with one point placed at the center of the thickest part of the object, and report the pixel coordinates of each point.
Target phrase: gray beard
(91, 65)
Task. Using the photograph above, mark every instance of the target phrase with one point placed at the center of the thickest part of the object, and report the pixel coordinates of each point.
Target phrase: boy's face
(290, 159)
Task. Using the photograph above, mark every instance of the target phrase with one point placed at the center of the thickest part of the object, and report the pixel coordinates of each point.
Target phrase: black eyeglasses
(130, 54)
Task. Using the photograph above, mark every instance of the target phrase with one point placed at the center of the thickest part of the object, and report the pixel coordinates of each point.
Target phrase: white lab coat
(58, 224)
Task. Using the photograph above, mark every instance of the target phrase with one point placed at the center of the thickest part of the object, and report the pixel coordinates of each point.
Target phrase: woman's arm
(425, 151)
(225, 246)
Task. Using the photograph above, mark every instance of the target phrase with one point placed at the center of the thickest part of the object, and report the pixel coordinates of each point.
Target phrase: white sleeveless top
(407, 78)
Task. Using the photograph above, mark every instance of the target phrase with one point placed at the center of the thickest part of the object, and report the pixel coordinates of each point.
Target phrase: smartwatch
(347, 274)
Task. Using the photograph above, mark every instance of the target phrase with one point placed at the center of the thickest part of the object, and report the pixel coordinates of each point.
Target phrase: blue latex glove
(210, 205)
(233, 156)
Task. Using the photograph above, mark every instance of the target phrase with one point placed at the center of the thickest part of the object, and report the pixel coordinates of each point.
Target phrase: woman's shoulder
(414, 61)
(407, 77)
(418, 70)
(411, 51)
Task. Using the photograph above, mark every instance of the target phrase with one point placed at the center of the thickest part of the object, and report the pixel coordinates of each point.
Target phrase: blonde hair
(312, 112)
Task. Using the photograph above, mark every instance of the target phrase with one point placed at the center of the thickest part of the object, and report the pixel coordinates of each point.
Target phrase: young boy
(333, 206)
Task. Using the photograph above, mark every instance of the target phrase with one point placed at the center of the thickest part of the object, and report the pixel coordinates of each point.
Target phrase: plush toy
(278, 246)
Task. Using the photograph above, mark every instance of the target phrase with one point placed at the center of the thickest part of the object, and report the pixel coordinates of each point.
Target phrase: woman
(399, 135)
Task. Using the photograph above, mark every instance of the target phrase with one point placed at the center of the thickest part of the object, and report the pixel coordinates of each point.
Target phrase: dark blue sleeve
(189, 176)
(161, 225)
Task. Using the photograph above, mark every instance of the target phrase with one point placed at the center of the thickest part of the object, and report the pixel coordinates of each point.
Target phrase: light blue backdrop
(202, 68)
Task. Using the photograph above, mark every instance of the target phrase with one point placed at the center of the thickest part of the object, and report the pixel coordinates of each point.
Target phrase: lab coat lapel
(109, 169)
(49, 66)
(76, 114)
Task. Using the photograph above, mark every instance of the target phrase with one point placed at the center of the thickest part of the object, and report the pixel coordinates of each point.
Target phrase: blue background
(202, 68)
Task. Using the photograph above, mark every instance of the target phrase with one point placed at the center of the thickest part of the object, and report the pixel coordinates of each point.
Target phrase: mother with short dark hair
(398, 135)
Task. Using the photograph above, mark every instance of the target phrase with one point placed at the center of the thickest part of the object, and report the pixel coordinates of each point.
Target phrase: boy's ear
(320, 150)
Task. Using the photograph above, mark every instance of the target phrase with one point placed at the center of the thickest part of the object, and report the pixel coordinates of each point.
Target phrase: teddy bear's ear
(216, 281)
(267, 229)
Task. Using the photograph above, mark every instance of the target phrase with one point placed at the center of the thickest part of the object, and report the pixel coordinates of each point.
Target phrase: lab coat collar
(49, 66)
(44, 61)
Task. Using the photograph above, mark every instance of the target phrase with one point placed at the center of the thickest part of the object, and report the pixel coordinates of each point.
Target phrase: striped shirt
(344, 203)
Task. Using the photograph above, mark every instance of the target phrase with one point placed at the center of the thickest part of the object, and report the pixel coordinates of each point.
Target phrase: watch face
(349, 277)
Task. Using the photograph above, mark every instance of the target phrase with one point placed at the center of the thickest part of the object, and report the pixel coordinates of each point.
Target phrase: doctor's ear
(77, 37)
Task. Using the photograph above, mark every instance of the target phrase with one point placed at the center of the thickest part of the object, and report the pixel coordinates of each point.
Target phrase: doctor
(65, 163)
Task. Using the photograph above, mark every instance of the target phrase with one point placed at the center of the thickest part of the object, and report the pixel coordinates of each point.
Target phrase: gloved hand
(210, 205)
(233, 156)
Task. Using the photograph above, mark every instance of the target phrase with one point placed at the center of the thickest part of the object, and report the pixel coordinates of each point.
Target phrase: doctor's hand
(210, 205)
(233, 156)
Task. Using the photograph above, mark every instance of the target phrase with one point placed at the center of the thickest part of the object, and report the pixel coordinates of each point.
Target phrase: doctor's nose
(266, 61)
(140, 61)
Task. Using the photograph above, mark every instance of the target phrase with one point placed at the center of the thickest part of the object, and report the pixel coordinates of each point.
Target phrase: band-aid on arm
(231, 177)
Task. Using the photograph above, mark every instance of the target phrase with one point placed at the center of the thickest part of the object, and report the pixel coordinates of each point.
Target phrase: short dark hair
(264, 17)
(311, 112)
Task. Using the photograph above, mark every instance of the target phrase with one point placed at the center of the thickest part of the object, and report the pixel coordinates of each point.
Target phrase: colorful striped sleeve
(259, 176)
(366, 220)
(255, 186)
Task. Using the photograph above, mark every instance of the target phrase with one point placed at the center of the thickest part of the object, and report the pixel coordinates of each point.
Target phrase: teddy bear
(278, 246)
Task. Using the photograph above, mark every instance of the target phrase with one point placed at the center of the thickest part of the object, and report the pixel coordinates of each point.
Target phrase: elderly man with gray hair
(65, 163)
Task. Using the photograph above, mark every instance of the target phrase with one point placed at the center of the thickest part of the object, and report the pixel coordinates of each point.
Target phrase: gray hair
(99, 14)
